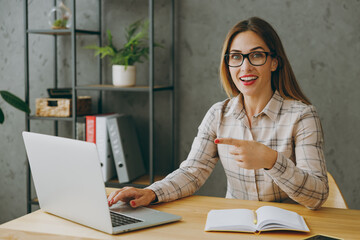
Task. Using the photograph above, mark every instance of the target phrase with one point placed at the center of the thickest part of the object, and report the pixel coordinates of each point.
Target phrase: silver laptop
(69, 183)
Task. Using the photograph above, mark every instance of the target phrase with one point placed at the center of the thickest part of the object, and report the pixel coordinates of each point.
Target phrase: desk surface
(342, 223)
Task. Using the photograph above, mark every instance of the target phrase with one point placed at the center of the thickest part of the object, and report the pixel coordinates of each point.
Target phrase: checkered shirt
(290, 127)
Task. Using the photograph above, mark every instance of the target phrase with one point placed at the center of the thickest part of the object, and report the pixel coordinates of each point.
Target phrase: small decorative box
(62, 107)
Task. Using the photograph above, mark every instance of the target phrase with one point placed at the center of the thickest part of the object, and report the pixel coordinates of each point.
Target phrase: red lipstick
(248, 79)
(249, 75)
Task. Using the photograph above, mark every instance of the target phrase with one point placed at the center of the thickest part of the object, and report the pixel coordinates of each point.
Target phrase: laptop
(68, 181)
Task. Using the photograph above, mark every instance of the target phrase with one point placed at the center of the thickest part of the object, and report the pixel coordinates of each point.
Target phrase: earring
(273, 65)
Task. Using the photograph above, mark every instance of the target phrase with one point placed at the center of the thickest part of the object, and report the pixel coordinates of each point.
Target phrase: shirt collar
(236, 108)
(272, 108)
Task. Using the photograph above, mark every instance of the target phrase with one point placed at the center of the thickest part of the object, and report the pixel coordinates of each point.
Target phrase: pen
(255, 217)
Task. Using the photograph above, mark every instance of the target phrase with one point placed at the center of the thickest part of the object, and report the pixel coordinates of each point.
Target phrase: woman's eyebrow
(253, 49)
(256, 48)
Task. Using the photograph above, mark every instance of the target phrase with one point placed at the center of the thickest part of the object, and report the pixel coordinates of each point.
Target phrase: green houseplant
(13, 101)
(134, 50)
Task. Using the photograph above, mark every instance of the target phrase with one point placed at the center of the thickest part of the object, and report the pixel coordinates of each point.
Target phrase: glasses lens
(234, 59)
(257, 58)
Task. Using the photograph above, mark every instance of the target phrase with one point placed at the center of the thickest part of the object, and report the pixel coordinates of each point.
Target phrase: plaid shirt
(290, 127)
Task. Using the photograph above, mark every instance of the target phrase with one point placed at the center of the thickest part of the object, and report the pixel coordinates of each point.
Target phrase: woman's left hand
(250, 154)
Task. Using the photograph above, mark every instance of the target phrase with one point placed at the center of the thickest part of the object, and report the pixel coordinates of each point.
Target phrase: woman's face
(252, 81)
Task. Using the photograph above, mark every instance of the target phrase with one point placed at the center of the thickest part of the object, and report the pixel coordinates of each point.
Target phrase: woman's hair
(282, 79)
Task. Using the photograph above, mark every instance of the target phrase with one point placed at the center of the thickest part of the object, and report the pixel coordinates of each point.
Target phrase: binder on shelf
(81, 129)
(90, 134)
(125, 147)
(96, 132)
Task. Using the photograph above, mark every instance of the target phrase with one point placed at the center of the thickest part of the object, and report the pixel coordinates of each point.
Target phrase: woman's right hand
(136, 197)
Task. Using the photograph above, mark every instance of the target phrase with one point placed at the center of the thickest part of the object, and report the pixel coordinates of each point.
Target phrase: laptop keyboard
(118, 219)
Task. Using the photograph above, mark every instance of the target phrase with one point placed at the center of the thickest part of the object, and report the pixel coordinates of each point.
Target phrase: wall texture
(321, 38)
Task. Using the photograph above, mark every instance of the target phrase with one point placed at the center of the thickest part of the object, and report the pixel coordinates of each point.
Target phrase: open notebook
(265, 218)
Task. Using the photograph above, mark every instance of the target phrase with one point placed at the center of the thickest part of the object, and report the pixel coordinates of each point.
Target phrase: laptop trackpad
(141, 213)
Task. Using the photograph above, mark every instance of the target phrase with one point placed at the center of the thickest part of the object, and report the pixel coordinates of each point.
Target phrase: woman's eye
(235, 56)
(258, 55)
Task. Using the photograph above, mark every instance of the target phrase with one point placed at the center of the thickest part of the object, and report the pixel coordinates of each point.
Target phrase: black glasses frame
(247, 56)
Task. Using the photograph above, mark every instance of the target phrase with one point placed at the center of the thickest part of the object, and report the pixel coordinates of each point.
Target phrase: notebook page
(276, 217)
(230, 220)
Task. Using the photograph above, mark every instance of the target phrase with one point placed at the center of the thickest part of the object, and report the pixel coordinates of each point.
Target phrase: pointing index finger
(229, 141)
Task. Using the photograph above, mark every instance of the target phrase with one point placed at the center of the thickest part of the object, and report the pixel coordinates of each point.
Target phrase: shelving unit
(151, 89)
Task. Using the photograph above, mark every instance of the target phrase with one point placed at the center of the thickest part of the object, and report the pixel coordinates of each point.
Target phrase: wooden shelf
(79, 118)
(142, 181)
(35, 201)
(51, 118)
(109, 87)
(62, 31)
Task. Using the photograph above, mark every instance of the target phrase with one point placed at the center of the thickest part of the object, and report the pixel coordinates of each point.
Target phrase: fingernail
(132, 203)
(216, 141)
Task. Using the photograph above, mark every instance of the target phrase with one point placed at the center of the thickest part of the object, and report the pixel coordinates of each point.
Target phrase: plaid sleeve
(194, 171)
(306, 181)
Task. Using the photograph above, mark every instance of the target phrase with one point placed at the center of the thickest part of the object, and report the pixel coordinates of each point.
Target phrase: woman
(267, 134)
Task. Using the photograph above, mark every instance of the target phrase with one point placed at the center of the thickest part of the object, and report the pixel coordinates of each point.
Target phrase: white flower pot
(122, 77)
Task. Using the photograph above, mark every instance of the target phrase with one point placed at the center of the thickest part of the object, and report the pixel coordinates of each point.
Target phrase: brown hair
(282, 79)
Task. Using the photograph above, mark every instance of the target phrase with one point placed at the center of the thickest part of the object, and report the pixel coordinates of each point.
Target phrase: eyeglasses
(255, 58)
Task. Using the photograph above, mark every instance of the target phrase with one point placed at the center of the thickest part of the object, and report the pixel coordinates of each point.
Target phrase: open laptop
(68, 181)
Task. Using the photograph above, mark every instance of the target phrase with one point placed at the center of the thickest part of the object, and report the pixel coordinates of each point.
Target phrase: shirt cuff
(158, 192)
(279, 167)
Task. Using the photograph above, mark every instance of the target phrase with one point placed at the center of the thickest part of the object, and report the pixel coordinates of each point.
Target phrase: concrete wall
(321, 38)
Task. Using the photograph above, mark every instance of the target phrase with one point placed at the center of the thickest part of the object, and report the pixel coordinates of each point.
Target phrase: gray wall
(322, 40)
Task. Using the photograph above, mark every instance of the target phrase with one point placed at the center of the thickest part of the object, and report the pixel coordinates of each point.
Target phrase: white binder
(129, 164)
(103, 146)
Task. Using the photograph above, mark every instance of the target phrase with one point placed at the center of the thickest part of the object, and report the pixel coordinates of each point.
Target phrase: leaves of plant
(133, 50)
(2, 117)
(15, 101)
(110, 41)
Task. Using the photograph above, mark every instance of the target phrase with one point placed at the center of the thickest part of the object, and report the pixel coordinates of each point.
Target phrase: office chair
(335, 199)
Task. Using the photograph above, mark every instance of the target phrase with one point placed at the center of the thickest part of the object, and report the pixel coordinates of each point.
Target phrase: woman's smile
(248, 79)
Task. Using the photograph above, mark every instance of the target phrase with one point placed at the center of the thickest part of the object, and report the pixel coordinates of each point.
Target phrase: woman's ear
(274, 64)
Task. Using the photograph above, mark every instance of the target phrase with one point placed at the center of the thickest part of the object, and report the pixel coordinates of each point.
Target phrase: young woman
(267, 134)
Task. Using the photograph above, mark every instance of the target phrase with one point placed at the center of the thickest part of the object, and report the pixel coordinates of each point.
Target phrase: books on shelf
(125, 146)
(266, 218)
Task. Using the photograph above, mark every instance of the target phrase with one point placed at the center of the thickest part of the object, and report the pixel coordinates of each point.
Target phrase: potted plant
(134, 50)
(13, 101)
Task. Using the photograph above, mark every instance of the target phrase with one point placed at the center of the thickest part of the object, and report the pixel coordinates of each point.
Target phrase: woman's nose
(246, 65)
